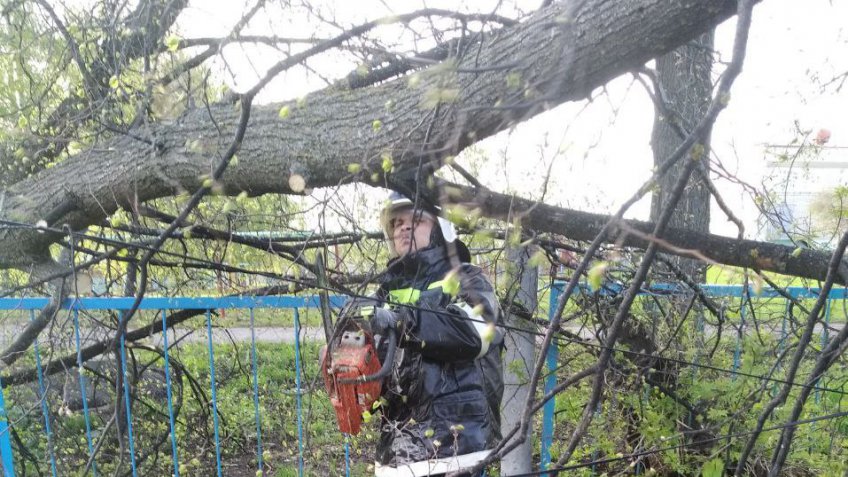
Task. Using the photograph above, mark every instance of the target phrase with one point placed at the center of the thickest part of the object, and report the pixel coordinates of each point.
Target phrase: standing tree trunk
(685, 88)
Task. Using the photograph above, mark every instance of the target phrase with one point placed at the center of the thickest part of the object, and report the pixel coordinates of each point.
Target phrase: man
(440, 409)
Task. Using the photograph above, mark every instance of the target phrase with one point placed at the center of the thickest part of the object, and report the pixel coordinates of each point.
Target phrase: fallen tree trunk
(558, 54)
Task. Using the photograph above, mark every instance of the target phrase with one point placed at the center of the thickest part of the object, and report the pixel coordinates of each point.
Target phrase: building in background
(807, 194)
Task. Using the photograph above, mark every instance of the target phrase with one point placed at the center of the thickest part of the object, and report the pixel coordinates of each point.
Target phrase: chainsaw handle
(386, 368)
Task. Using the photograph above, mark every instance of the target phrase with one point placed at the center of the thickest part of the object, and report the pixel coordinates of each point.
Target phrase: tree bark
(559, 54)
(577, 225)
(685, 89)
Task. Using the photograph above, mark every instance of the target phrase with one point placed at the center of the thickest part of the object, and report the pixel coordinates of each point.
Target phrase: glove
(384, 320)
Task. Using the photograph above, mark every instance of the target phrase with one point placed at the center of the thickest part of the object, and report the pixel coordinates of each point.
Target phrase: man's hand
(384, 320)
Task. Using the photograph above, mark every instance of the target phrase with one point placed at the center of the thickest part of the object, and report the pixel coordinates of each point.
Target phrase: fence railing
(95, 432)
(162, 306)
(740, 297)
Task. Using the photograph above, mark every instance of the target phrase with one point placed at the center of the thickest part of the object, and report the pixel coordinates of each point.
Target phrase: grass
(323, 445)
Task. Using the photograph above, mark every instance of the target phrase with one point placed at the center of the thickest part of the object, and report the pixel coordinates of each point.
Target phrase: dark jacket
(444, 395)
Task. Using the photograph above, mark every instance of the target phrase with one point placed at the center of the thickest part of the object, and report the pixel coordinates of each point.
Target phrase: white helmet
(397, 202)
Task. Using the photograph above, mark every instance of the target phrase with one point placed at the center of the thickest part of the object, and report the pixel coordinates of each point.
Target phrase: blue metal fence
(163, 306)
(166, 305)
(733, 292)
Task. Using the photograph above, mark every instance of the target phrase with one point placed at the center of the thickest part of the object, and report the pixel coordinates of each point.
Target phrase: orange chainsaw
(351, 366)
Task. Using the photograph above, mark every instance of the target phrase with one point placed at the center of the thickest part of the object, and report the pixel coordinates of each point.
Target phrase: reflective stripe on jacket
(443, 397)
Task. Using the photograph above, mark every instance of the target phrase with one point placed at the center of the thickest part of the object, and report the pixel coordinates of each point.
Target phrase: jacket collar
(417, 269)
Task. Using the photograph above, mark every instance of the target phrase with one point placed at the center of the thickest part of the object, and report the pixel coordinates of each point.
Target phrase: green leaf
(513, 80)
(388, 163)
(435, 96)
(697, 151)
(757, 285)
(172, 43)
(119, 218)
(488, 334)
(713, 468)
(538, 258)
(284, 112)
(194, 146)
(429, 433)
(376, 125)
(114, 82)
(354, 168)
(596, 274)
(74, 148)
(450, 284)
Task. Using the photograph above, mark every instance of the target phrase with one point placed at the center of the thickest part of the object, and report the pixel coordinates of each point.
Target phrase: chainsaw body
(351, 368)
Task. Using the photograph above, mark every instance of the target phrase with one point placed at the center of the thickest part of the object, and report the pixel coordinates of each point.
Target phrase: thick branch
(578, 225)
(59, 291)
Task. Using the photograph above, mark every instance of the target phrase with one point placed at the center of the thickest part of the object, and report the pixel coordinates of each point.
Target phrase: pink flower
(822, 137)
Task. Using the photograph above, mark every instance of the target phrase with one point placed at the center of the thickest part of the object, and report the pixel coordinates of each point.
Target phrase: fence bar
(298, 393)
(6, 456)
(43, 398)
(171, 303)
(347, 454)
(550, 384)
(255, 390)
(84, 393)
(336, 301)
(737, 354)
(127, 404)
(169, 391)
(784, 333)
(214, 393)
(825, 335)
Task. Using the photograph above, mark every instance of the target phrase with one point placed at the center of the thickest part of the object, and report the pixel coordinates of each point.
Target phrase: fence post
(297, 391)
(169, 390)
(740, 335)
(127, 396)
(213, 386)
(83, 391)
(43, 397)
(6, 458)
(550, 384)
(254, 367)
